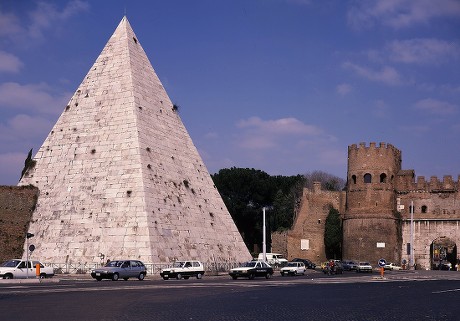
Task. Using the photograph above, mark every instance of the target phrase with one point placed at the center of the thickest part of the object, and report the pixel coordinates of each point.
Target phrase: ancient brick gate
(435, 241)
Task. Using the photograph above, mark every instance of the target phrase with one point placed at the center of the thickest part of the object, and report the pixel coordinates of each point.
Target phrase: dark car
(308, 264)
(120, 269)
(349, 265)
(251, 270)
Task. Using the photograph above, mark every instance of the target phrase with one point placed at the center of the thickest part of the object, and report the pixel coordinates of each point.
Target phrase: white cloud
(11, 165)
(343, 89)
(47, 14)
(261, 134)
(436, 107)
(9, 62)
(9, 24)
(24, 127)
(45, 17)
(422, 50)
(282, 126)
(387, 75)
(33, 98)
(399, 13)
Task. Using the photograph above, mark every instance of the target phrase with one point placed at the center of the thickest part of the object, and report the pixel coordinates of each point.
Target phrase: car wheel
(282, 273)
(165, 277)
(8, 276)
(141, 276)
(268, 275)
(98, 279)
(234, 277)
(179, 276)
(115, 277)
(251, 276)
(126, 279)
(295, 273)
(199, 276)
(42, 276)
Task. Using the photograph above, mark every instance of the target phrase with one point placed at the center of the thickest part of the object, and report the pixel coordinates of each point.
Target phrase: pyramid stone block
(119, 174)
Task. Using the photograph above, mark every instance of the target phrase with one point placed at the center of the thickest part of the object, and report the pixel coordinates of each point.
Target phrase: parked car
(446, 265)
(392, 266)
(183, 269)
(308, 264)
(123, 269)
(333, 267)
(274, 259)
(364, 267)
(21, 269)
(349, 265)
(251, 270)
(293, 268)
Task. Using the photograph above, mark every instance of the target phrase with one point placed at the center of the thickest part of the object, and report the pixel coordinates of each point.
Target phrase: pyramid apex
(119, 174)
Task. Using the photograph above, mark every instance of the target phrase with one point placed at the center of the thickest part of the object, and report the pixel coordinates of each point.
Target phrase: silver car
(123, 269)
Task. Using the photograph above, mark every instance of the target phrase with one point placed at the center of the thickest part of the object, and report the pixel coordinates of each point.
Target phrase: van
(273, 259)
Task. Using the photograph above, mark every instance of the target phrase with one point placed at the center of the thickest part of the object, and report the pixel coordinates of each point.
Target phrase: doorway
(443, 254)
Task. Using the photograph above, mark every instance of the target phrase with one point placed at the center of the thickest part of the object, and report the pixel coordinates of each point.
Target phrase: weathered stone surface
(119, 175)
(376, 212)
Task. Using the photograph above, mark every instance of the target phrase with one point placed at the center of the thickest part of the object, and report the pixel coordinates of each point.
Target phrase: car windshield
(114, 264)
(292, 264)
(250, 264)
(178, 264)
(10, 263)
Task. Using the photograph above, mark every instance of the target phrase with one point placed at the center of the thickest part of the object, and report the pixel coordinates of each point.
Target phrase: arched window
(383, 178)
(424, 208)
(367, 178)
(353, 178)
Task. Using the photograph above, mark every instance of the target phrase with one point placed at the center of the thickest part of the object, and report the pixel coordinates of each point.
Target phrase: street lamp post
(411, 253)
(264, 244)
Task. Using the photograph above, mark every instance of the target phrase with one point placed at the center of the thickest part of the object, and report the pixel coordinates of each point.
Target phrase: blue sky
(283, 86)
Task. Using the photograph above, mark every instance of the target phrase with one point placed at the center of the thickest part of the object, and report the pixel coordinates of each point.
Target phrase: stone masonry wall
(16, 207)
(309, 224)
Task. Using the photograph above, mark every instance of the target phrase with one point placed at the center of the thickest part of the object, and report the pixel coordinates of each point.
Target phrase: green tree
(29, 163)
(333, 234)
(246, 191)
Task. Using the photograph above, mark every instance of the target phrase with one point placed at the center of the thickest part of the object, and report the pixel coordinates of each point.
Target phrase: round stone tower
(371, 225)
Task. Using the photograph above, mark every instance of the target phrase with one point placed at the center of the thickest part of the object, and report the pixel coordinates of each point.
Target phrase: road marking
(446, 291)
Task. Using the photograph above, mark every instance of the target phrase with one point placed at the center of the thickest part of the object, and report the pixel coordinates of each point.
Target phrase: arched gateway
(443, 254)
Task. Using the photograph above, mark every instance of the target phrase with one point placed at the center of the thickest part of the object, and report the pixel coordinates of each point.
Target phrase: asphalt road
(313, 297)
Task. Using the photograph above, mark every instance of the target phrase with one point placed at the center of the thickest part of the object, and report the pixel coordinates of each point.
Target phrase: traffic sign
(382, 262)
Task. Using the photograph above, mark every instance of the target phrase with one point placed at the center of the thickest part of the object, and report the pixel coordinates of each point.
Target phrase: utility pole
(411, 253)
(264, 244)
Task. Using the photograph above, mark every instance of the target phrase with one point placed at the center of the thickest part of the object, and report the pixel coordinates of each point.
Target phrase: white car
(364, 267)
(392, 266)
(274, 259)
(293, 268)
(183, 269)
(16, 269)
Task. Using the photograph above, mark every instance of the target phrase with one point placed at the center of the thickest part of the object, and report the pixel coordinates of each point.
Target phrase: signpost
(382, 264)
(32, 247)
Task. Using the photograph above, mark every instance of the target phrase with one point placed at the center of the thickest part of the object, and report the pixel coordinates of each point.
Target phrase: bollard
(382, 272)
(37, 270)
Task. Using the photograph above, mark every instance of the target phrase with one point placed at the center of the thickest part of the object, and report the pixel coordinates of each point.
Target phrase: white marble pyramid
(119, 174)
